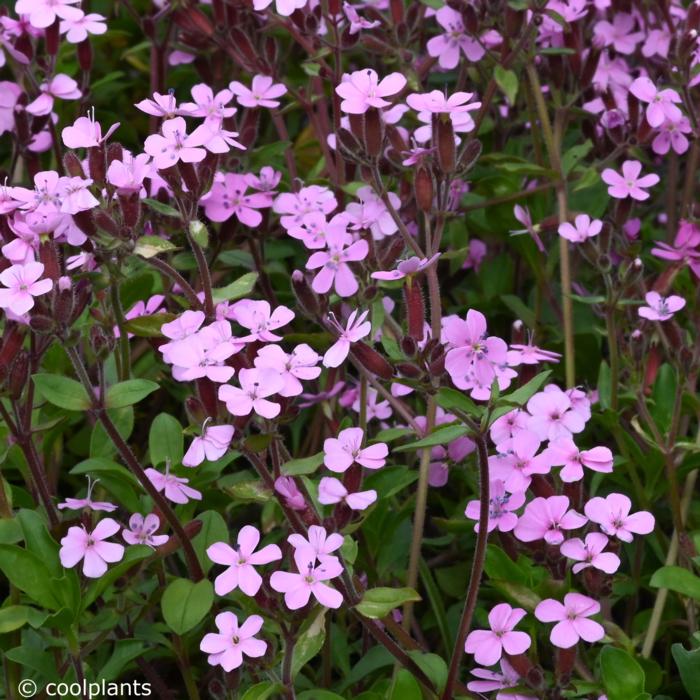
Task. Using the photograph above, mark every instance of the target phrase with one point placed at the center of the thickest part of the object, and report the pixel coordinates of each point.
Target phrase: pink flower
(283, 7)
(59, 87)
(519, 462)
(333, 262)
(406, 268)
(591, 553)
(660, 308)
(371, 213)
(128, 174)
(363, 89)
(340, 453)
(174, 487)
(332, 490)
(662, 103)
(488, 645)
(506, 679)
(180, 329)
(142, 530)
(612, 513)
(87, 502)
(629, 184)
(545, 518)
(43, 13)
(298, 587)
(293, 498)
(620, 34)
(583, 229)
(437, 102)
(355, 329)
(564, 453)
(256, 386)
(572, 619)
(501, 507)
(553, 416)
(263, 92)
(162, 105)
(374, 408)
(446, 47)
(241, 562)
(91, 548)
(172, 145)
(86, 132)
(22, 285)
(520, 354)
(78, 29)
(226, 649)
(320, 544)
(258, 318)
(672, 135)
(294, 206)
(210, 445)
(299, 365)
(209, 106)
(357, 23)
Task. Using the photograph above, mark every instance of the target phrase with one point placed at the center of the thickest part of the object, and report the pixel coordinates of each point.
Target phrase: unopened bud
(423, 185)
(72, 164)
(97, 163)
(19, 374)
(42, 324)
(48, 255)
(373, 132)
(114, 152)
(105, 222)
(189, 176)
(130, 205)
(63, 305)
(415, 309)
(85, 55)
(514, 21)
(444, 140)
(305, 295)
(409, 347)
(371, 360)
(406, 369)
(51, 38)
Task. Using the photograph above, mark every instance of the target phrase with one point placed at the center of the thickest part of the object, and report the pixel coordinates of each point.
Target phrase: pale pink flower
(355, 329)
(86, 132)
(287, 488)
(629, 184)
(372, 213)
(91, 548)
(492, 680)
(43, 13)
(660, 308)
(263, 92)
(172, 145)
(590, 553)
(227, 648)
(501, 507)
(261, 320)
(256, 386)
(204, 354)
(488, 645)
(128, 174)
(314, 228)
(59, 87)
(211, 445)
(298, 587)
(672, 135)
(521, 354)
(340, 453)
(173, 487)
(545, 518)
(612, 513)
(22, 284)
(241, 562)
(183, 327)
(552, 416)
(320, 544)
(620, 34)
(332, 490)
(142, 531)
(563, 452)
(406, 268)
(661, 103)
(294, 206)
(437, 102)
(76, 196)
(505, 428)
(572, 619)
(283, 7)
(374, 407)
(335, 271)
(519, 462)
(300, 364)
(362, 89)
(162, 105)
(357, 23)
(581, 230)
(87, 502)
(78, 29)
(207, 105)
(447, 47)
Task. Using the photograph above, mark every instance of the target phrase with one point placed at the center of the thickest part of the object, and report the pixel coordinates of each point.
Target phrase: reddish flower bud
(424, 188)
(514, 21)
(130, 205)
(19, 374)
(85, 55)
(106, 222)
(52, 38)
(114, 152)
(409, 347)
(371, 360)
(72, 164)
(397, 11)
(409, 370)
(189, 176)
(415, 309)
(444, 140)
(97, 163)
(48, 255)
(44, 325)
(373, 128)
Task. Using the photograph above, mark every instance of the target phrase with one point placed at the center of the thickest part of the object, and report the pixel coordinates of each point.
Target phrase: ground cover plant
(349, 349)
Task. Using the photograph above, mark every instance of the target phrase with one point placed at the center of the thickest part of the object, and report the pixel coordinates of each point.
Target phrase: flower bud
(444, 141)
(44, 325)
(589, 68)
(11, 342)
(19, 374)
(63, 305)
(415, 309)
(189, 176)
(114, 152)
(408, 370)
(52, 38)
(424, 188)
(207, 392)
(101, 343)
(48, 255)
(85, 55)
(514, 21)
(692, 20)
(371, 360)
(97, 163)
(130, 205)
(305, 296)
(469, 156)
(72, 164)
(373, 132)
(105, 222)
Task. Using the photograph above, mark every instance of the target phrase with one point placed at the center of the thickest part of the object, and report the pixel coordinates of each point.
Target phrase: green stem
(611, 327)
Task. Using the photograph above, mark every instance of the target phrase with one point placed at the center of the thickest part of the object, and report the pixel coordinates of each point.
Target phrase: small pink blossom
(612, 513)
(581, 230)
(287, 488)
(283, 7)
(142, 531)
(78, 29)
(211, 445)
(22, 283)
(590, 553)
(332, 490)
(128, 174)
(672, 135)
(620, 34)
(356, 22)
(363, 89)
(59, 87)
(371, 213)
(629, 184)
(518, 461)
(355, 329)
(564, 453)
(310, 579)
(572, 619)
(507, 679)
(340, 453)
(294, 206)
(552, 416)
(261, 320)
(207, 105)
(320, 544)
(455, 40)
(661, 103)
(406, 268)
(87, 502)
(241, 562)
(227, 648)
(174, 487)
(172, 145)
(335, 271)
(295, 367)
(263, 92)
(43, 13)
(162, 105)
(256, 386)
(437, 102)
(545, 518)
(86, 132)
(660, 308)
(91, 548)
(501, 507)
(488, 645)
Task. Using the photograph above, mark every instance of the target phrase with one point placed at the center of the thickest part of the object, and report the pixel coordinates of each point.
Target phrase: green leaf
(574, 155)
(148, 326)
(150, 246)
(507, 80)
(239, 288)
(38, 540)
(184, 604)
(129, 392)
(405, 687)
(306, 465)
(26, 571)
(623, 677)
(164, 209)
(688, 663)
(379, 602)
(677, 579)
(440, 436)
(309, 642)
(14, 617)
(63, 392)
(319, 694)
(252, 491)
(132, 556)
(165, 441)
(214, 529)
(433, 666)
(199, 233)
(450, 399)
(263, 691)
(125, 651)
(520, 396)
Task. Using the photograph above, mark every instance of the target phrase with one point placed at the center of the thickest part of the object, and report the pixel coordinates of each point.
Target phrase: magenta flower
(43, 13)
(620, 34)
(355, 329)
(256, 386)
(545, 518)
(340, 453)
(174, 487)
(241, 562)
(572, 619)
(581, 230)
(553, 416)
(142, 531)
(590, 553)
(660, 308)
(91, 548)
(261, 320)
(501, 507)
(447, 47)
(298, 587)
(210, 445)
(672, 135)
(661, 103)
(335, 271)
(629, 184)
(172, 145)
(87, 502)
(263, 92)
(22, 285)
(488, 645)
(612, 513)
(228, 197)
(332, 490)
(227, 648)
(564, 453)
(363, 89)
(300, 364)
